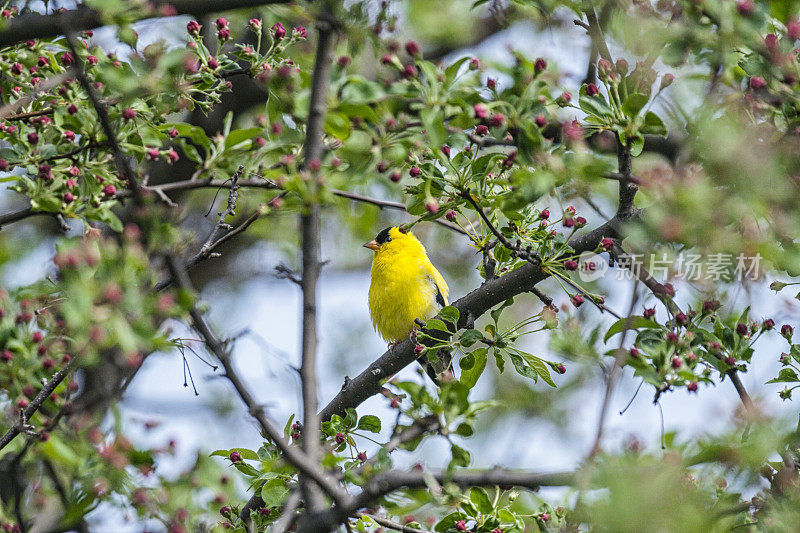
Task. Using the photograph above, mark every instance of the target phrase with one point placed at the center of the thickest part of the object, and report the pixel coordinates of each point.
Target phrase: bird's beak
(372, 245)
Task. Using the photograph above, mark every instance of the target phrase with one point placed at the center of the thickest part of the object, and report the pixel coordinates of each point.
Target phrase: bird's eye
(388, 239)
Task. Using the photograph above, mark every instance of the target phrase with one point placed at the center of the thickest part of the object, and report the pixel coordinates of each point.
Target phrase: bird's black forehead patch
(383, 236)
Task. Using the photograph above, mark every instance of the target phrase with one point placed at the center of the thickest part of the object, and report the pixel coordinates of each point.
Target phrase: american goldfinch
(405, 286)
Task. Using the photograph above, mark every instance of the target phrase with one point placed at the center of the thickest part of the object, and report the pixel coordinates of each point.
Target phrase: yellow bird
(405, 286)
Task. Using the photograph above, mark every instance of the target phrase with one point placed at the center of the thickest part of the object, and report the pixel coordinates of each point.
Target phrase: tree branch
(221, 350)
(388, 482)
(37, 402)
(310, 244)
(39, 26)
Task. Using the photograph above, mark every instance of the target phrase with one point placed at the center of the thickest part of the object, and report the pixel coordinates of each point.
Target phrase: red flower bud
(395, 176)
(193, 27)
(592, 90)
(278, 31)
(128, 113)
(539, 65)
(745, 7)
(339, 438)
(676, 362)
(541, 121)
(68, 197)
(757, 82)
(414, 172)
(569, 264)
(577, 300)
(491, 83)
(412, 48)
(496, 120)
(692, 386)
(481, 130)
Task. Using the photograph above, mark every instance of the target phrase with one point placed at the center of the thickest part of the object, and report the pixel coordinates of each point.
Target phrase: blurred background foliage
(723, 180)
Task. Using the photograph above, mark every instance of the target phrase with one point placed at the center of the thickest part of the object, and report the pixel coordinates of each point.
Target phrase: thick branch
(38, 26)
(310, 243)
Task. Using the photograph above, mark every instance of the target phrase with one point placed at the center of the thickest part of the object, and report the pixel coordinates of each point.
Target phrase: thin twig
(123, 164)
(37, 402)
(222, 351)
(385, 522)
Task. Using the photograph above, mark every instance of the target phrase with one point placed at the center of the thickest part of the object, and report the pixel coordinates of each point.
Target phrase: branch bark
(310, 243)
(39, 26)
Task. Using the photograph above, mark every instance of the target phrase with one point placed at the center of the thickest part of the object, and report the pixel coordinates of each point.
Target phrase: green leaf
(450, 314)
(481, 500)
(433, 120)
(786, 375)
(337, 125)
(469, 376)
(246, 469)
(595, 105)
(653, 125)
(540, 367)
(470, 337)
(274, 493)
(632, 322)
(351, 417)
(238, 136)
(435, 323)
(370, 423)
(461, 456)
(245, 453)
(637, 144)
(194, 133)
(634, 103)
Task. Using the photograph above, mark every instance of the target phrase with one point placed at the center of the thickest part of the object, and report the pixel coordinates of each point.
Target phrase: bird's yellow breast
(403, 288)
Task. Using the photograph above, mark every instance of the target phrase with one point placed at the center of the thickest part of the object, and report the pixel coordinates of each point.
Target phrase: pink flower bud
(235, 457)
(757, 82)
(692, 386)
(539, 65)
(474, 64)
(221, 23)
(592, 90)
(480, 111)
(432, 206)
(481, 130)
(570, 264)
(793, 29)
(193, 27)
(496, 120)
(745, 7)
(278, 31)
(414, 172)
(541, 121)
(412, 48)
